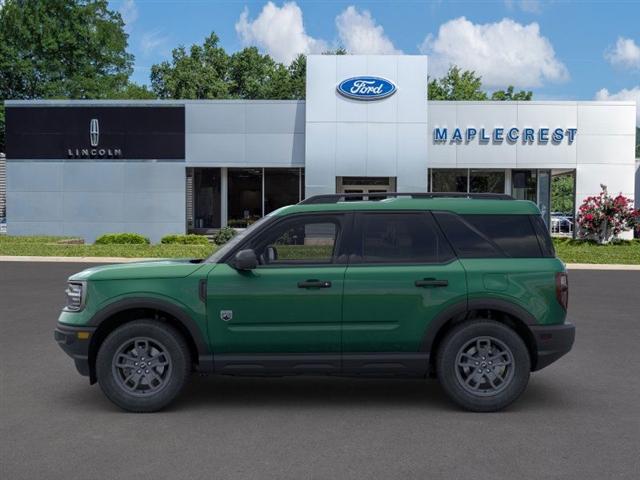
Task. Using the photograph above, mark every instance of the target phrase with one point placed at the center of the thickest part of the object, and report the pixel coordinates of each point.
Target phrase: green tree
(298, 74)
(61, 49)
(510, 95)
(457, 85)
(208, 72)
(201, 73)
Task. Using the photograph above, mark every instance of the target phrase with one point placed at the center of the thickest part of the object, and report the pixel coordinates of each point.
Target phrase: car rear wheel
(143, 365)
(483, 365)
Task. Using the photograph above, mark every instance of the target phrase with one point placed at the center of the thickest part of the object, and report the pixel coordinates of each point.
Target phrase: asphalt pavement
(579, 418)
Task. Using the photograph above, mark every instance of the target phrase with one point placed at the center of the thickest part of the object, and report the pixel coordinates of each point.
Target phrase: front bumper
(75, 343)
(552, 341)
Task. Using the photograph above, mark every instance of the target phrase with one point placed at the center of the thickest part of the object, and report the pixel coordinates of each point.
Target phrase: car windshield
(237, 239)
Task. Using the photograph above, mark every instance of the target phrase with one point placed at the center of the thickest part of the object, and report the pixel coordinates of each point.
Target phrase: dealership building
(83, 168)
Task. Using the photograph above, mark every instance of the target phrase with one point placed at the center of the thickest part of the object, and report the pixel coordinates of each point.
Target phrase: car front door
(286, 313)
(402, 274)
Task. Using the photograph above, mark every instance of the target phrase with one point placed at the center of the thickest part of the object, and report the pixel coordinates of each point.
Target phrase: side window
(467, 241)
(300, 240)
(513, 234)
(490, 236)
(402, 238)
(546, 244)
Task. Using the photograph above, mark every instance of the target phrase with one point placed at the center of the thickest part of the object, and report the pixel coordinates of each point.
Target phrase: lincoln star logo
(366, 88)
(105, 151)
(94, 132)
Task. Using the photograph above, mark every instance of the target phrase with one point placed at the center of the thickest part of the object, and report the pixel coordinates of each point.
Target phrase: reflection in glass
(449, 180)
(486, 181)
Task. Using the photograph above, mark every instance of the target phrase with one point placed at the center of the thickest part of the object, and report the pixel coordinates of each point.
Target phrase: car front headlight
(75, 292)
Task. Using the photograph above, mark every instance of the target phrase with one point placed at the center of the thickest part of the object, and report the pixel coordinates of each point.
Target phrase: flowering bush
(604, 217)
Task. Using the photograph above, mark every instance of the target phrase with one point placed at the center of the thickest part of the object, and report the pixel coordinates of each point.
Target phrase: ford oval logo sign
(366, 88)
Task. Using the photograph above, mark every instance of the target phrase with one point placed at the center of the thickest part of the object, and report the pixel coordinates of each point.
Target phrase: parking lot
(579, 418)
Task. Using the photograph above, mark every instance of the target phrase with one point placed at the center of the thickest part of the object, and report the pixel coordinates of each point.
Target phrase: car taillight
(562, 289)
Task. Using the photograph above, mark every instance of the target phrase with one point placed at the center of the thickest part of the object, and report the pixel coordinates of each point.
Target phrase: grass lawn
(570, 251)
(579, 251)
(57, 247)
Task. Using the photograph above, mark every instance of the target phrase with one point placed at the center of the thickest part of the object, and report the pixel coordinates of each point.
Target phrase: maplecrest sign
(526, 136)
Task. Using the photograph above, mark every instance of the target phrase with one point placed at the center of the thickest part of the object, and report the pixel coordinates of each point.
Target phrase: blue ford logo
(366, 88)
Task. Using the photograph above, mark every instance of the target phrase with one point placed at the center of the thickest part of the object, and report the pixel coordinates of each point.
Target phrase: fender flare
(464, 307)
(205, 358)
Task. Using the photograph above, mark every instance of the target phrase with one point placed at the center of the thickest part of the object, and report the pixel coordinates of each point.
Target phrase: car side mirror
(245, 260)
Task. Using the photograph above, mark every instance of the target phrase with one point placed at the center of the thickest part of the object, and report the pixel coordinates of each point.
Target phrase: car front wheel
(483, 365)
(143, 365)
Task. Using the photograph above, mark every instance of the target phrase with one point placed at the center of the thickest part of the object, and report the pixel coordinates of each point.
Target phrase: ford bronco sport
(465, 288)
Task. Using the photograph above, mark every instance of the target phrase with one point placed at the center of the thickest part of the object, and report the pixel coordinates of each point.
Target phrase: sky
(561, 50)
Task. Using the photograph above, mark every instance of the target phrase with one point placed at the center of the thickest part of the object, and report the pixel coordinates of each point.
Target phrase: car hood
(140, 270)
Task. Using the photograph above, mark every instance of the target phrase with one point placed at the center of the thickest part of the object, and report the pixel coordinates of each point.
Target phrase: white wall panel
(351, 149)
(606, 118)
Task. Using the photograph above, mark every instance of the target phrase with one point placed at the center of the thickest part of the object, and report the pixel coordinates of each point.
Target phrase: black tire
(121, 365)
(475, 346)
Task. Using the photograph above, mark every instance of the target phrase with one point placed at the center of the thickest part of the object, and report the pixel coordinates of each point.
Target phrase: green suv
(463, 288)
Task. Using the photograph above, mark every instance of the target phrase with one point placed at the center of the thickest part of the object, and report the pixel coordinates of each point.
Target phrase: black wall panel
(51, 132)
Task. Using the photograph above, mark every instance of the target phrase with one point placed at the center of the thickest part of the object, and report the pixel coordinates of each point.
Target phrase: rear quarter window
(491, 236)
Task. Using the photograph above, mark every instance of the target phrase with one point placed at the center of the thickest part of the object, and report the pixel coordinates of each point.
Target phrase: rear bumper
(552, 341)
(77, 347)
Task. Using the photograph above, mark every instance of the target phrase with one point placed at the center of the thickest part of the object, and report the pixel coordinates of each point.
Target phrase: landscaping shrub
(122, 238)
(224, 235)
(603, 217)
(190, 239)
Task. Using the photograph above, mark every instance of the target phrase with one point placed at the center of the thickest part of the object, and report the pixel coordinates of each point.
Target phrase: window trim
(356, 257)
(344, 221)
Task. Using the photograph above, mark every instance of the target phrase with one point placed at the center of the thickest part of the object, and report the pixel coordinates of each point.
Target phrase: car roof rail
(343, 197)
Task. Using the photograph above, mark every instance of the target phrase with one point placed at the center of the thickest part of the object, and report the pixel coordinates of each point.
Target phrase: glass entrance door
(364, 186)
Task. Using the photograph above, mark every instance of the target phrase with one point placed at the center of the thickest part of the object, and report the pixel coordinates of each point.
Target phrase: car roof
(488, 206)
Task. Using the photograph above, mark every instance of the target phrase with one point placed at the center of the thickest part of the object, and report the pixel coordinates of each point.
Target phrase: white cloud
(129, 13)
(360, 34)
(529, 6)
(626, 53)
(504, 53)
(151, 41)
(278, 31)
(632, 94)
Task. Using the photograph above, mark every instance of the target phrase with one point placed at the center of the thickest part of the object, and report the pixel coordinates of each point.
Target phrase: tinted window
(513, 234)
(544, 239)
(467, 241)
(302, 240)
(401, 238)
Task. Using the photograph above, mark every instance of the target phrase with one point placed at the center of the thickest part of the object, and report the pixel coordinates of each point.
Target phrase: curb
(10, 258)
(16, 258)
(601, 266)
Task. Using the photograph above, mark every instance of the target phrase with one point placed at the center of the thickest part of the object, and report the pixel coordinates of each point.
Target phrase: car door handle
(431, 282)
(314, 284)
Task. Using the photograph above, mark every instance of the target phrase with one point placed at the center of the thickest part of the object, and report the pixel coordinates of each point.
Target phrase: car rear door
(401, 275)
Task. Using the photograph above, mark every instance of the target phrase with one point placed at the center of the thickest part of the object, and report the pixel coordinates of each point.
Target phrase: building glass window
(486, 181)
(524, 185)
(281, 187)
(206, 198)
(244, 196)
(449, 180)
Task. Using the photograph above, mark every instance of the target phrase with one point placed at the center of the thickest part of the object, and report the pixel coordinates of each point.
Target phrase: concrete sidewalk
(10, 258)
